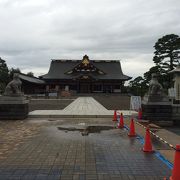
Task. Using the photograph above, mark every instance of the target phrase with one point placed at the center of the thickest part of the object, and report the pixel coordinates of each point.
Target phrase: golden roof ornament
(85, 60)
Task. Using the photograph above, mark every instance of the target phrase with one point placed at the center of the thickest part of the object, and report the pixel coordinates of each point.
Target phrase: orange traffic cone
(140, 113)
(121, 121)
(132, 129)
(147, 145)
(176, 168)
(115, 116)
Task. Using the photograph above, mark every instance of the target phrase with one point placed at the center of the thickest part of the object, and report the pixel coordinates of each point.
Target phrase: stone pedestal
(159, 112)
(176, 113)
(13, 108)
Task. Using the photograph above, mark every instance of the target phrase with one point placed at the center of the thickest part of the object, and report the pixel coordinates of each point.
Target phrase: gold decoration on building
(85, 77)
(85, 62)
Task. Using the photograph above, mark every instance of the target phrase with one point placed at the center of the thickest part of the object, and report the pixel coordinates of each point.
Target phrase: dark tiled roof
(112, 69)
(30, 79)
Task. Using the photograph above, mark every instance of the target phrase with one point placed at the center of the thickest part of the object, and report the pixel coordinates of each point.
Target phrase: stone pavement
(159, 145)
(81, 107)
(80, 149)
(169, 135)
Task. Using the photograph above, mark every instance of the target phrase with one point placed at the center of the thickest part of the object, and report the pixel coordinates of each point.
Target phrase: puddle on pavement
(52, 119)
(87, 130)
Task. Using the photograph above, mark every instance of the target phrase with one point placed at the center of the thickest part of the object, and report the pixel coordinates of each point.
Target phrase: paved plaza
(78, 149)
(83, 148)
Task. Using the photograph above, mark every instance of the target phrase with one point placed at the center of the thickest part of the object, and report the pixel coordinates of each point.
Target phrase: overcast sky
(32, 32)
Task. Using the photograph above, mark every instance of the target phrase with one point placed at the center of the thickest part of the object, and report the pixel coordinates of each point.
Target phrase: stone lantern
(176, 73)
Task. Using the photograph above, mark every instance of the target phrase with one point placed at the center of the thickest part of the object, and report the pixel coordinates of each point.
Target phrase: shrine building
(79, 76)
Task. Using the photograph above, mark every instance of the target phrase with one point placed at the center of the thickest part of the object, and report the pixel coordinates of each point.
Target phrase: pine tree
(167, 52)
(167, 56)
(138, 86)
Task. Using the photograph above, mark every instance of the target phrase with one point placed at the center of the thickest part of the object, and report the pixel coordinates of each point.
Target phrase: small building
(32, 85)
(83, 76)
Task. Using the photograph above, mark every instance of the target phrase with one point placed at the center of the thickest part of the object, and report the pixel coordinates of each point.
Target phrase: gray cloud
(32, 32)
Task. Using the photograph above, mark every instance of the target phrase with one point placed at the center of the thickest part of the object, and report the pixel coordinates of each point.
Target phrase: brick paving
(61, 154)
(14, 133)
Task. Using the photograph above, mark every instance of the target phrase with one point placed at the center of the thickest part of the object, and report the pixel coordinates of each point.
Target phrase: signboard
(171, 92)
(135, 103)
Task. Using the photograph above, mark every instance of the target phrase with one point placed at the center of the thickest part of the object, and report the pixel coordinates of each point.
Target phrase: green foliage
(4, 76)
(30, 74)
(167, 52)
(166, 58)
(138, 86)
(147, 75)
(12, 71)
(167, 55)
(155, 69)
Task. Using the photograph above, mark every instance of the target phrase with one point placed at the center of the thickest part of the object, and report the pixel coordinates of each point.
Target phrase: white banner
(135, 103)
(172, 92)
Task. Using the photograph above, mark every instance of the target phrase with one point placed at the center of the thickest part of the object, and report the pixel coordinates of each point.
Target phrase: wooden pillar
(47, 88)
(57, 90)
(78, 88)
(47, 91)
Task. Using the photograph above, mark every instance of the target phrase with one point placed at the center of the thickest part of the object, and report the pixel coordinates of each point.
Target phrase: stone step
(81, 107)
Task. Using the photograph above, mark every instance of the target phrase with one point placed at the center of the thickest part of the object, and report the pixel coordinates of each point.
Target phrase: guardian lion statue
(155, 88)
(13, 88)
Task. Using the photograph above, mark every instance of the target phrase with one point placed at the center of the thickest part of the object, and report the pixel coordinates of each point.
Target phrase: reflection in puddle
(87, 130)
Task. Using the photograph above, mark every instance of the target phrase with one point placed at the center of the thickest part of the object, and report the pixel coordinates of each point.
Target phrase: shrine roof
(99, 69)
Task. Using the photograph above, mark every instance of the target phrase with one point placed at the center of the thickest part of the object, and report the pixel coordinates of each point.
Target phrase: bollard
(176, 168)
(115, 116)
(132, 129)
(121, 121)
(148, 145)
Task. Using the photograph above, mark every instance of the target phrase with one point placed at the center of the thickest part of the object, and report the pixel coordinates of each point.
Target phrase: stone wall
(13, 111)
(176, 113)
(109, 101)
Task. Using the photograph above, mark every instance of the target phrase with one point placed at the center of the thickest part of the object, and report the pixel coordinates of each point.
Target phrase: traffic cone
(140, 113)
(121, 121)
(132, 129)
(115, 116)
(147, 145)
(176, 167)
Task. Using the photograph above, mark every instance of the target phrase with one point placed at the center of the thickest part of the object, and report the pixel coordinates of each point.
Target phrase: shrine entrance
(84, 88)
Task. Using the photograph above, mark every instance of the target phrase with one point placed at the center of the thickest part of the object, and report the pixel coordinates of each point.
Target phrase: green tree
(162, 78)
(166, 58)
(12, 71)
(167, 55)
(30, 74)
(138, 86)
(167, 52)
(4, 76)
(154, 69)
